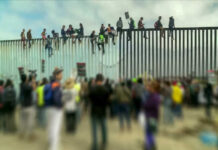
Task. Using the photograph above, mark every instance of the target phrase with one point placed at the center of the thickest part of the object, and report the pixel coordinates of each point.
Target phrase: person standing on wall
(120, 25)
(171, 26)
(23, 38)
(29, 37)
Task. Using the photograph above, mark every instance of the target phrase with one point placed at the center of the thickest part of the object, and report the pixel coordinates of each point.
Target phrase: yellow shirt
(77, 87)
(40, 96)
(177, 94)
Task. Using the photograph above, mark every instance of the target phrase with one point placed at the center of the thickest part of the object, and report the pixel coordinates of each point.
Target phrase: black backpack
(9, 98)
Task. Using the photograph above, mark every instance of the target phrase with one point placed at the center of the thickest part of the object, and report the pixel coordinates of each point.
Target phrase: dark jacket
(57, 94)
(132, 24)
(151, 106)
(99, 96)
(9, 99)
(81, 31)
(171, 23)
(63, 33)
(26, 97)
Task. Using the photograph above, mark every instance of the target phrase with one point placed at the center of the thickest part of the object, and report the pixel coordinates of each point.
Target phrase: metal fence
(190, 53)
(13, 55)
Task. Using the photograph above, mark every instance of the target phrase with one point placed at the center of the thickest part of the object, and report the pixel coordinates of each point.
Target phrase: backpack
(9, 98)
(48, 94)
(156, 25)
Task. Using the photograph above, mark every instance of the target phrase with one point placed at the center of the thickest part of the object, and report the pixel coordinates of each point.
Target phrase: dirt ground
(183, 135)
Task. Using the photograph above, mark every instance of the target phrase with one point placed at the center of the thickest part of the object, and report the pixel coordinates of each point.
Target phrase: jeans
(8, 121)
(95, 122)
(119, 30)
(27, 120)
(41, 117)
(101, 44)
(29, 41)
(50, 49)
(168, 114)
(150, 143)
(171, 32)
(178, 110)
(70, 118)
(129, 34)
(208, 107)
(124, 113)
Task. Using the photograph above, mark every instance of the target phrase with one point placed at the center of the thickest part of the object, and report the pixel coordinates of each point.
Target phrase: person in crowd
(41, 103)
(80, 32)
(93, 40)
(215, 92)
(69, 98)
(171, 26)
(158, 26)
(131, 28)
(194, 92)
(48, 46)
(27, 114)
(120, 25)
(29, 37)
(140, 24)
(43, 34)
(1, 103)
(151, 109)
(23, 38)
(177, 96)
(137, 91)
(53, 98)
(101, 41)
(71, 33)
(56, 38)
(64, 34)
(85, 93)
(77, 87)
(9, 105)
(123, 95)
(99, 96)
(110, 32)
(208, 94)
(168, 103)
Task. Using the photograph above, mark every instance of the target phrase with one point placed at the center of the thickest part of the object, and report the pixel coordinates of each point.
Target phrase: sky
(52, 14)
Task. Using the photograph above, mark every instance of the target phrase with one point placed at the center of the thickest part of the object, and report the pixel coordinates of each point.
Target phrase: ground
(184, 135)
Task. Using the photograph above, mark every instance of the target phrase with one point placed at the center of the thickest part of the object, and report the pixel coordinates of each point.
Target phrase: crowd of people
(47, 101)
(100, 39)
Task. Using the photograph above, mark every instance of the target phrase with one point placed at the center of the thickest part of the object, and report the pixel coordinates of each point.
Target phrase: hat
(57, 71)
(99, 77)
(69, 83)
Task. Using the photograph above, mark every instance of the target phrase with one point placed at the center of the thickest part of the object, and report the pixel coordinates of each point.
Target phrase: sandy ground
(183, 135)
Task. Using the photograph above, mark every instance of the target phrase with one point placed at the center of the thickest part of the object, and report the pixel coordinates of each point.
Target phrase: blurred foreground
(183, 135)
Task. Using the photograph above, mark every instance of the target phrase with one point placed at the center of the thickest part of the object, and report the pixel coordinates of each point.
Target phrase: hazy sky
(52, 14)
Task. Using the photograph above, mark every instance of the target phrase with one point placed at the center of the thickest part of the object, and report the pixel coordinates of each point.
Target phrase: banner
(81, 69)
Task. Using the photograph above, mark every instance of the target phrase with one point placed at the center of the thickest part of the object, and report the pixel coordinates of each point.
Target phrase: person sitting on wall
(71, 33)
(29, 37)
(23, 38)
(64, 34)
(110, 32)
(56, 38)
(158, 26)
